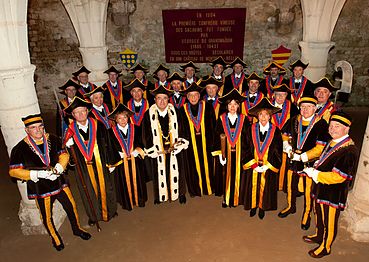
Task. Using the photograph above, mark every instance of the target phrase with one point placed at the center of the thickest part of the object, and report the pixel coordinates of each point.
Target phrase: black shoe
(141, 204)
(83, 235)
(91, 223)
(252, 212)
(156, 202)
(115, 215)
(224, 205)
(182, 199)
(299, 194)
(305, 226)
(59, 247)
(261, 213)
(309, 240)
(320, 255)
(285, 213)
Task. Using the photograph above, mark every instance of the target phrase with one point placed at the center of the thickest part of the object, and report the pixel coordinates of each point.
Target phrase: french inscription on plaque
(201, 35)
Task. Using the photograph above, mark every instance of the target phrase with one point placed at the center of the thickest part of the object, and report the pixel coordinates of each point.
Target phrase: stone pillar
(316, 54)
(89, 20)
(18, 97)
(357, 213)
(319, 19)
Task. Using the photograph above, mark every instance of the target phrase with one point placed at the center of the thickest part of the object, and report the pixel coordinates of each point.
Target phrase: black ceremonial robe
(94, 152)
(259, 190)
(113, 95)
(169, 189)
(228, 177)
(199, 123)
(129, 175)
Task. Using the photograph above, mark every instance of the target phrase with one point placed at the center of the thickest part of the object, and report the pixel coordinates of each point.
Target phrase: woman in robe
(129, 177)
(259, 182)
(232, 127)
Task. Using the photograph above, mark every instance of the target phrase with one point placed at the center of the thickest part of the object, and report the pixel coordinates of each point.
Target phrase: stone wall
(54, 45)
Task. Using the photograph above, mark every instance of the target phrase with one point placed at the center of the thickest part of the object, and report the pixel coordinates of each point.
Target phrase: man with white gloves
(89, 141)
(304, 137)
(40, 161)
(164, 143)
(333, 174)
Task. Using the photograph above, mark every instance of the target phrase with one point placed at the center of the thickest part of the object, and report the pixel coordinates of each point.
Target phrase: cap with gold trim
(232, 95)
(341, 117)
(32, 119)
(161, 90)
(264, 104)
(77, 102)
(308, 99)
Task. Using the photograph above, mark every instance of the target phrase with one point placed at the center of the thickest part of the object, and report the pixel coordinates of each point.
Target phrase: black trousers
(326, 227)
(293, 181)
(45, 206)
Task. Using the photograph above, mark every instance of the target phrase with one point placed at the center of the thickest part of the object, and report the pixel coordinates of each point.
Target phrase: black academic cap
(119, 109)
(273, 64)
(237, 61)
(189, 64)
(210, 80)
(175, 76)
(194, 87)
(161, 90)
(218, 61)
(134, 83)
(264, 104)
(83, 69)
(232, 95)
(112, 69)
(77, 102)
(324, 82)
(298, 63)
(139, 67)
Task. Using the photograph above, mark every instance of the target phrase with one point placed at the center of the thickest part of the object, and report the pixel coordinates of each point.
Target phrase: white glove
(52, 177)
(178, 148)
(151, 153)
(304, 157)
(58, 169)
(184, 143)
(287, 148)
(258, 169)
(111, 169)
(36, 174)
(121, 154)
(264, 168)
(296, 157)
(134, 153)
(222, 161)
(308, 171)
(176, 151)
(69, 143)
(312, 172)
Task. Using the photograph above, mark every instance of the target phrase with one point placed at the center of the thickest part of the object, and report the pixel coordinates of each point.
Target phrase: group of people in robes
(241, 137)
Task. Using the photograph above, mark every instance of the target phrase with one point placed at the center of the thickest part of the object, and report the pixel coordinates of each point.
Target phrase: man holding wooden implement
(40, 160)
(89, 145)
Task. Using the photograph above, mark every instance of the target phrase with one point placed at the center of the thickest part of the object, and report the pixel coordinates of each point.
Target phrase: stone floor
(199, 231)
